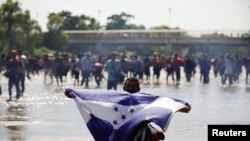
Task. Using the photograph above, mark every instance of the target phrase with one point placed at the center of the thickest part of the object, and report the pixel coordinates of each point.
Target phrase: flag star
(116, 109)
(132, 111)
(123, 117)
(115, 122)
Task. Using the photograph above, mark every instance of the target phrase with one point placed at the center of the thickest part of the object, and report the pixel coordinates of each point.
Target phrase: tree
(8, 12)
(55, 38)
(119, 21)
(160, 27)
(82, 22)
(134, 26)
(17, 30)
(30, 32)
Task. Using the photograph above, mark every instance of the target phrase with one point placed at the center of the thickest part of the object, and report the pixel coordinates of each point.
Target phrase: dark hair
(132, 79)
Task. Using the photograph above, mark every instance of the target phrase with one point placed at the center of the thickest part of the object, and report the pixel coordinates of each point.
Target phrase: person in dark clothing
(177, 62)
(189, 67)
(146, 69)
(205, 66)
(13, 73)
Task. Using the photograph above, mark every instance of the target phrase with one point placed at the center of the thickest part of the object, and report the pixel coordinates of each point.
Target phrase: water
(45, 114)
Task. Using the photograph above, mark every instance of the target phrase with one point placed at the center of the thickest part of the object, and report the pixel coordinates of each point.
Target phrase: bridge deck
(182, 37)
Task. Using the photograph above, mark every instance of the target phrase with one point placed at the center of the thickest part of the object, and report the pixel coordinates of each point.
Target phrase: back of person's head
(131, 85)
(13, 53)
(88, 54)
(113, 55)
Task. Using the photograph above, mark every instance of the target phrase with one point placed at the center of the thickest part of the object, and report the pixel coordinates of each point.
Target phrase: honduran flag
(113, 115)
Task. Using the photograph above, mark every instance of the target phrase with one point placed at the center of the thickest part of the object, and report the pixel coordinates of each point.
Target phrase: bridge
(168, 38)
(158, 37)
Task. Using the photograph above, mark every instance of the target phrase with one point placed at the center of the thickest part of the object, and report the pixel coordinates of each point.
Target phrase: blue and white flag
(113, 115)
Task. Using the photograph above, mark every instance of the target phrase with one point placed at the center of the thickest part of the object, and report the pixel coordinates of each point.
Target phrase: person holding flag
(127, 115)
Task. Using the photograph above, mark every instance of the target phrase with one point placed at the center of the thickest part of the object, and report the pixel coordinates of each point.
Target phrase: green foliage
(55, 22)
(160, 27)
(72, 22)
(120, 21)
(55, 40)
(133, 26)
(214, 35)
(43, 50)
(17, 29)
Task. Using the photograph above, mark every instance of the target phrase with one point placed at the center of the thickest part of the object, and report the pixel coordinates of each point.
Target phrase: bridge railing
(156, 34)
(219, 33)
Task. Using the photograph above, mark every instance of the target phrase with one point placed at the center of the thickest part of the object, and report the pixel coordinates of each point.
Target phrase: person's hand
(67, 94)
(185, 109)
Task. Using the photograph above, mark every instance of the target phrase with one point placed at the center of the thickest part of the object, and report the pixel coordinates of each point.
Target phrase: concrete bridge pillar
(169, 47)
(99, 47)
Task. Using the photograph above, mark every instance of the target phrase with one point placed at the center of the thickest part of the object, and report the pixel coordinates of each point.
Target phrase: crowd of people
(17, 66)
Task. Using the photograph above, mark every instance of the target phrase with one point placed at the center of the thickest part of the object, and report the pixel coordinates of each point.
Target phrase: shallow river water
(45, 114)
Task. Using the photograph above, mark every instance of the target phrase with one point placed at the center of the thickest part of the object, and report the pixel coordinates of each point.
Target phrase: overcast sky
(186, 14)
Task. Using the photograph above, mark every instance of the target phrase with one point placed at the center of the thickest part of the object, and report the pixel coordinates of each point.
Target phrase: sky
(186, 14)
